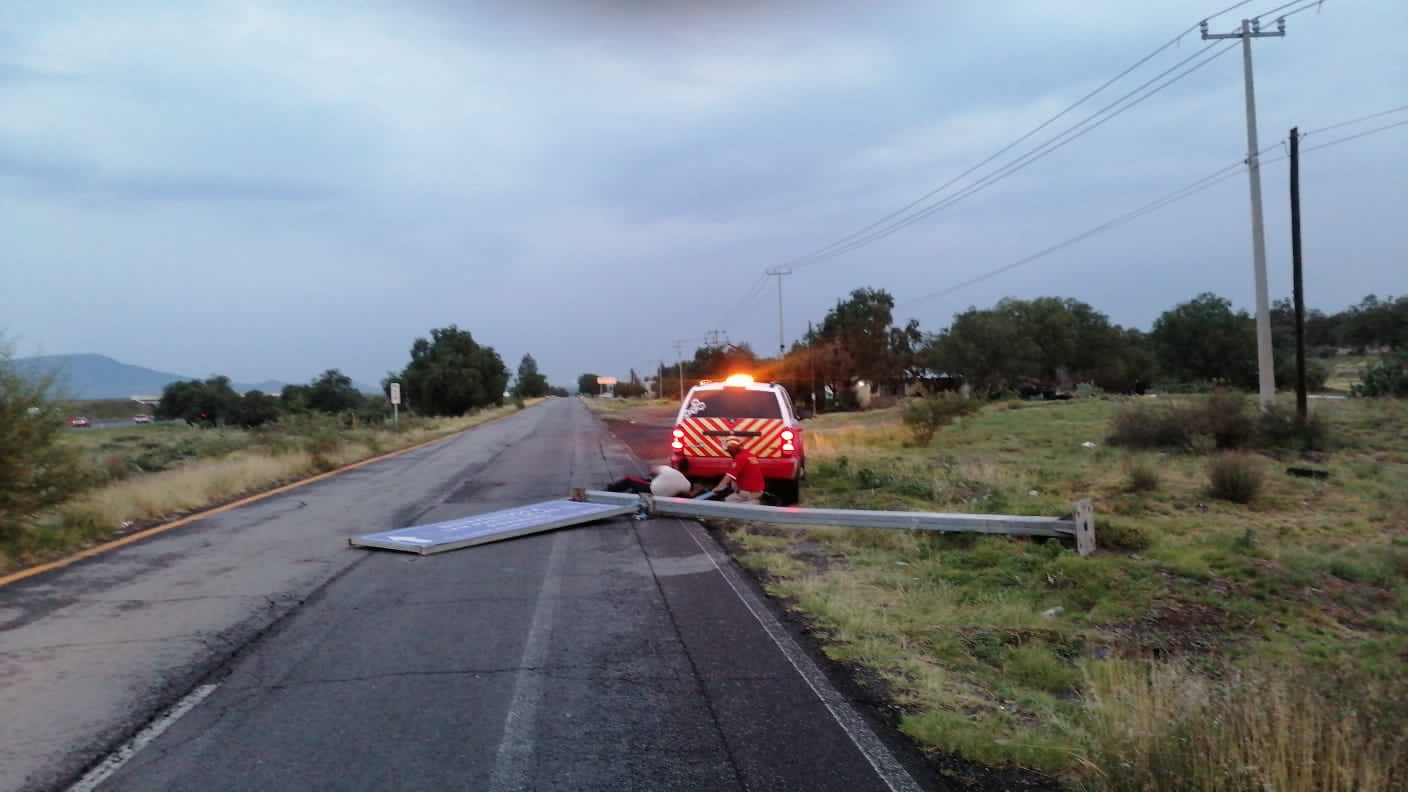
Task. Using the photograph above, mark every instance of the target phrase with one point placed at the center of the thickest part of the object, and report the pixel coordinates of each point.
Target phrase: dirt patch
(1176, 628)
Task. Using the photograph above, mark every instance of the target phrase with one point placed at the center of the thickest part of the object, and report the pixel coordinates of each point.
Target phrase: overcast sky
(268, 190)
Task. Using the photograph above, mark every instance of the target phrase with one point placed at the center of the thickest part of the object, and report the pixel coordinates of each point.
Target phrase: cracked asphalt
(613, 656)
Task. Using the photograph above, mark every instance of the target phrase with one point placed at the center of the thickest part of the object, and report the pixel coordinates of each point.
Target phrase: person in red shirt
(746, 475)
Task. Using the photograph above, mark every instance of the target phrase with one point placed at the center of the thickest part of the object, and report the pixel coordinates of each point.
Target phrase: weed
(1141, 476)
(1235, 477)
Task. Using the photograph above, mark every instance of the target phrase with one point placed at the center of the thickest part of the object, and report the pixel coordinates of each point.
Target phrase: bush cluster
(1223, 421)
(926, 415)
(1388, 377)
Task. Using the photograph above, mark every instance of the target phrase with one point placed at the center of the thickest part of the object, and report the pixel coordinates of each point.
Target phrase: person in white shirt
(667, 482)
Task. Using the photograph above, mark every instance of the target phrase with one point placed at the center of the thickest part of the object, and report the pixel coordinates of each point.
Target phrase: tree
(530, 383)
(860, 328)
(587, 385)
(450, 374)
(1375, 323)
(718, 362)
(255, 408)
(333, 392)
(37, 469)
(1049, 340)
(1204, 340)
(209, 402)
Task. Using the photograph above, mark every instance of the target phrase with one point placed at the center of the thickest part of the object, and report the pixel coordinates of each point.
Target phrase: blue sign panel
(490, 527)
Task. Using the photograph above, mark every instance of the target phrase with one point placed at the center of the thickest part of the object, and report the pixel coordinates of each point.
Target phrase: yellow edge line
(15, 577)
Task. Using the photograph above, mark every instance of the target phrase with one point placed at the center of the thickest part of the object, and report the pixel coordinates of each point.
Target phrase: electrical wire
(1315, 4)
(1281, 8)
(1044, 149)
(1207, 182)
(1348, 138)
(1043, 125)
(1353, 121)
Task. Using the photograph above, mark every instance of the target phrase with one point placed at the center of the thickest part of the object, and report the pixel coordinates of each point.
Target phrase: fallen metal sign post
(1080, 525)
(491, 527)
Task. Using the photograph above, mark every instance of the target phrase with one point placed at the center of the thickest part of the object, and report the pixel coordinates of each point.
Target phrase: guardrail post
(1083, 513)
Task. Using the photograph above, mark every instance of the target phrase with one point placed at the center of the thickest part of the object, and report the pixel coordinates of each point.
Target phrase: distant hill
(91, 376)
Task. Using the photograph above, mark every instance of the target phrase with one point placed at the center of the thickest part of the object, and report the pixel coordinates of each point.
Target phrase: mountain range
(90, 376)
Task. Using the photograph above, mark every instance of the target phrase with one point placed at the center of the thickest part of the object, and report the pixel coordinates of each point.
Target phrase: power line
(1358, 120)
(1280, 8)
(1348, 138)
(1207, 182)
(1315, 4)
(1045, 149)
(823, 251)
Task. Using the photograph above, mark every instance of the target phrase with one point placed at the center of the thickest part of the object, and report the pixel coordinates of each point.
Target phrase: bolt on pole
(1266, 380)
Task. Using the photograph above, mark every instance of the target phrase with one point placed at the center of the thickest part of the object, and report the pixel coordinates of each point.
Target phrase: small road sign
(490, 527)
(395, 393)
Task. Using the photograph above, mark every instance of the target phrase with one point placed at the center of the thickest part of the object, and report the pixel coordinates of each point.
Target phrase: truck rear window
(733, 404)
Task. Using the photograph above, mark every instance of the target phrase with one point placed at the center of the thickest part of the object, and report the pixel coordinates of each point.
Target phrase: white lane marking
(123, 755)
(886, 767)
(512, 760)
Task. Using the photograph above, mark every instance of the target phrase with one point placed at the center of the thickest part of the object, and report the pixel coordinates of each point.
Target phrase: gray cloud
(587, 182)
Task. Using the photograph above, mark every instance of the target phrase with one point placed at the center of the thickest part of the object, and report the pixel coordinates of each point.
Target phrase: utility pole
(1251, 28)
(1296, 286)
(778, 272)
(679, 356)
(811, 363)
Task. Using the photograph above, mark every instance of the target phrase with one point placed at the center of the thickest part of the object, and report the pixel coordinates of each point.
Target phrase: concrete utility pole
(778, 272)
(1266, 380)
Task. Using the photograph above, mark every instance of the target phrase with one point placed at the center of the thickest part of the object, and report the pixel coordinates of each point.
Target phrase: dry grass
(991, 644)
(234, 463)
(1162, 726)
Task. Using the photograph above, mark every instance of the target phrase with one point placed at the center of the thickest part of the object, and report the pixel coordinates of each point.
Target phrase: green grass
(988, 642)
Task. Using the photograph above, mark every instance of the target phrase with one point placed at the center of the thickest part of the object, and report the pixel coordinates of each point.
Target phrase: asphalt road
(622, 655)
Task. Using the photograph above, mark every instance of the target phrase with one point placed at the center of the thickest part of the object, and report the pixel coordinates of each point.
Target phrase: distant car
(141, 419)
(78, 423)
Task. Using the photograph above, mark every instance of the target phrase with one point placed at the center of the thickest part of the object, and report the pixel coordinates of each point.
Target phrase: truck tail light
(677, 442)
(788, 448)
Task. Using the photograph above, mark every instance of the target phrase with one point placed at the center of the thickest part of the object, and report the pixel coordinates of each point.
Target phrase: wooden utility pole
(1298, 292)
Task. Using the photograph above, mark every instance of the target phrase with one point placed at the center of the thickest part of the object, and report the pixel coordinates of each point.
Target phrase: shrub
(1221, 421)
(1226, 418)
(1116, 534)
(37, 469)
(1278, 427)
(926, 415)
(1235, 477)
(1388, 377)
(1141, 476)
(1316, 373)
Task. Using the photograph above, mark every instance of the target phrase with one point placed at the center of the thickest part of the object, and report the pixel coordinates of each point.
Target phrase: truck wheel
(787, 491)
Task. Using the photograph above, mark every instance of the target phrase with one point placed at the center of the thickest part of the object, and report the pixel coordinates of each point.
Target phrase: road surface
(622, 655)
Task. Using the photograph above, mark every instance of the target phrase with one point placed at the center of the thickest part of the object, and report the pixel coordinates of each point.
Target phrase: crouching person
(745, 478)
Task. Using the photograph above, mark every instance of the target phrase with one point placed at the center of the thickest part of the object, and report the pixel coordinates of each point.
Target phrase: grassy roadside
(142, 475)
(1207, 645)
